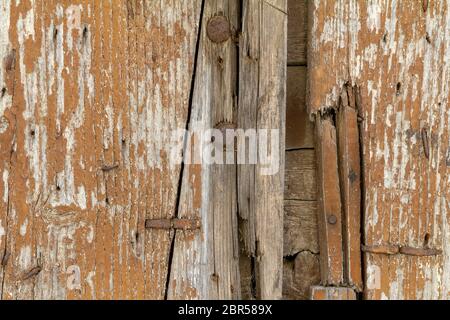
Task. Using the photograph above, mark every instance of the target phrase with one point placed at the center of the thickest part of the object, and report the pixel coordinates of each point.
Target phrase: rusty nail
(425, 142)
(32, 273)
(332, 219)
(106, 168)
(5, 258)
(420, 252)
(218, 29)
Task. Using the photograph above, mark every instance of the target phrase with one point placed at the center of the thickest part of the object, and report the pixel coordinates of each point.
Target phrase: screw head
(218, 29)
(332, 219)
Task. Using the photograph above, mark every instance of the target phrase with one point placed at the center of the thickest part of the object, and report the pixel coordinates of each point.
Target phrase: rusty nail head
(218, 29)
(332, 219)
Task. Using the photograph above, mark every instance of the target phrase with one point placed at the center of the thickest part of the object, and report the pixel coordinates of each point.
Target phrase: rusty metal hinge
(175, 223)
(395, 249)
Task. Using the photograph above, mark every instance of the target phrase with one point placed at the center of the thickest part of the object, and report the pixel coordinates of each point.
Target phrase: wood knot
(218, 29)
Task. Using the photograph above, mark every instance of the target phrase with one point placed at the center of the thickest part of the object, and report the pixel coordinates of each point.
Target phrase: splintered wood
(91, 206)
(397, 54)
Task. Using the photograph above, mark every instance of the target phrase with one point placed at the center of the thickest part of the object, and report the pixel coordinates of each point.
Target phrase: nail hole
(426, 239)
(399, 88)
(32, 133)
(107, 200)
(213, 139)
(220, 60)
(55, 34)
(427, 37)
(385, 37)
(85, 32)
(58, 188)
(3, 92)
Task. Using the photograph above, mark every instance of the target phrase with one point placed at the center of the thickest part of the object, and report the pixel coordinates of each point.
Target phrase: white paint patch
(25, 257)
(23, 228)
(5, 185)
(6, 100)
(2, 230)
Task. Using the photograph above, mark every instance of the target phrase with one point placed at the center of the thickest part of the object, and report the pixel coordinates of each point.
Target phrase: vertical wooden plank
(262, 101)
(205, 264)
(329, 215)
(350, 178)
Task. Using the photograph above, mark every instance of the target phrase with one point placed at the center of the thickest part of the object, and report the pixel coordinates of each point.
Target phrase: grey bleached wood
(205, 263)
(262, 106)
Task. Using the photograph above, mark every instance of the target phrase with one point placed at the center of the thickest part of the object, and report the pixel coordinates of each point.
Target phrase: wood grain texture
(300, 227)
(330, 207)
(92, 87)
(397, 53)
(206, 264)
(297, 31)
(300, 274)
(262, 106)
(350, 178)
(299, 128)
(301, 175)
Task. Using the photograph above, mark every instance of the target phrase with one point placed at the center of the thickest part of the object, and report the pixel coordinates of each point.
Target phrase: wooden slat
(262, 106)
(299, 127)
(350, 179)
(301, 175)
(205, 264)
(330, 216)
(297, 32)
(300, 227)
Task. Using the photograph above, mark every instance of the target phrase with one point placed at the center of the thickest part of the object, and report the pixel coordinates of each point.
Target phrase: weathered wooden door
(91, 94)
(383, 67)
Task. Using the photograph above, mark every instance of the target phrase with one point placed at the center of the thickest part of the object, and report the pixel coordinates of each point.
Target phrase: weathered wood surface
(301, 245)
(350, 180)
(397, 53)
(262, 99)
(329, 203)
(299, 128)
(332, 293)
(90, 95)
(297, 32)
(206, 264)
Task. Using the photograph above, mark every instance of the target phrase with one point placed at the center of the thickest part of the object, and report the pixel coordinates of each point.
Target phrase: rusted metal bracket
(408, 251)
(167, 224)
